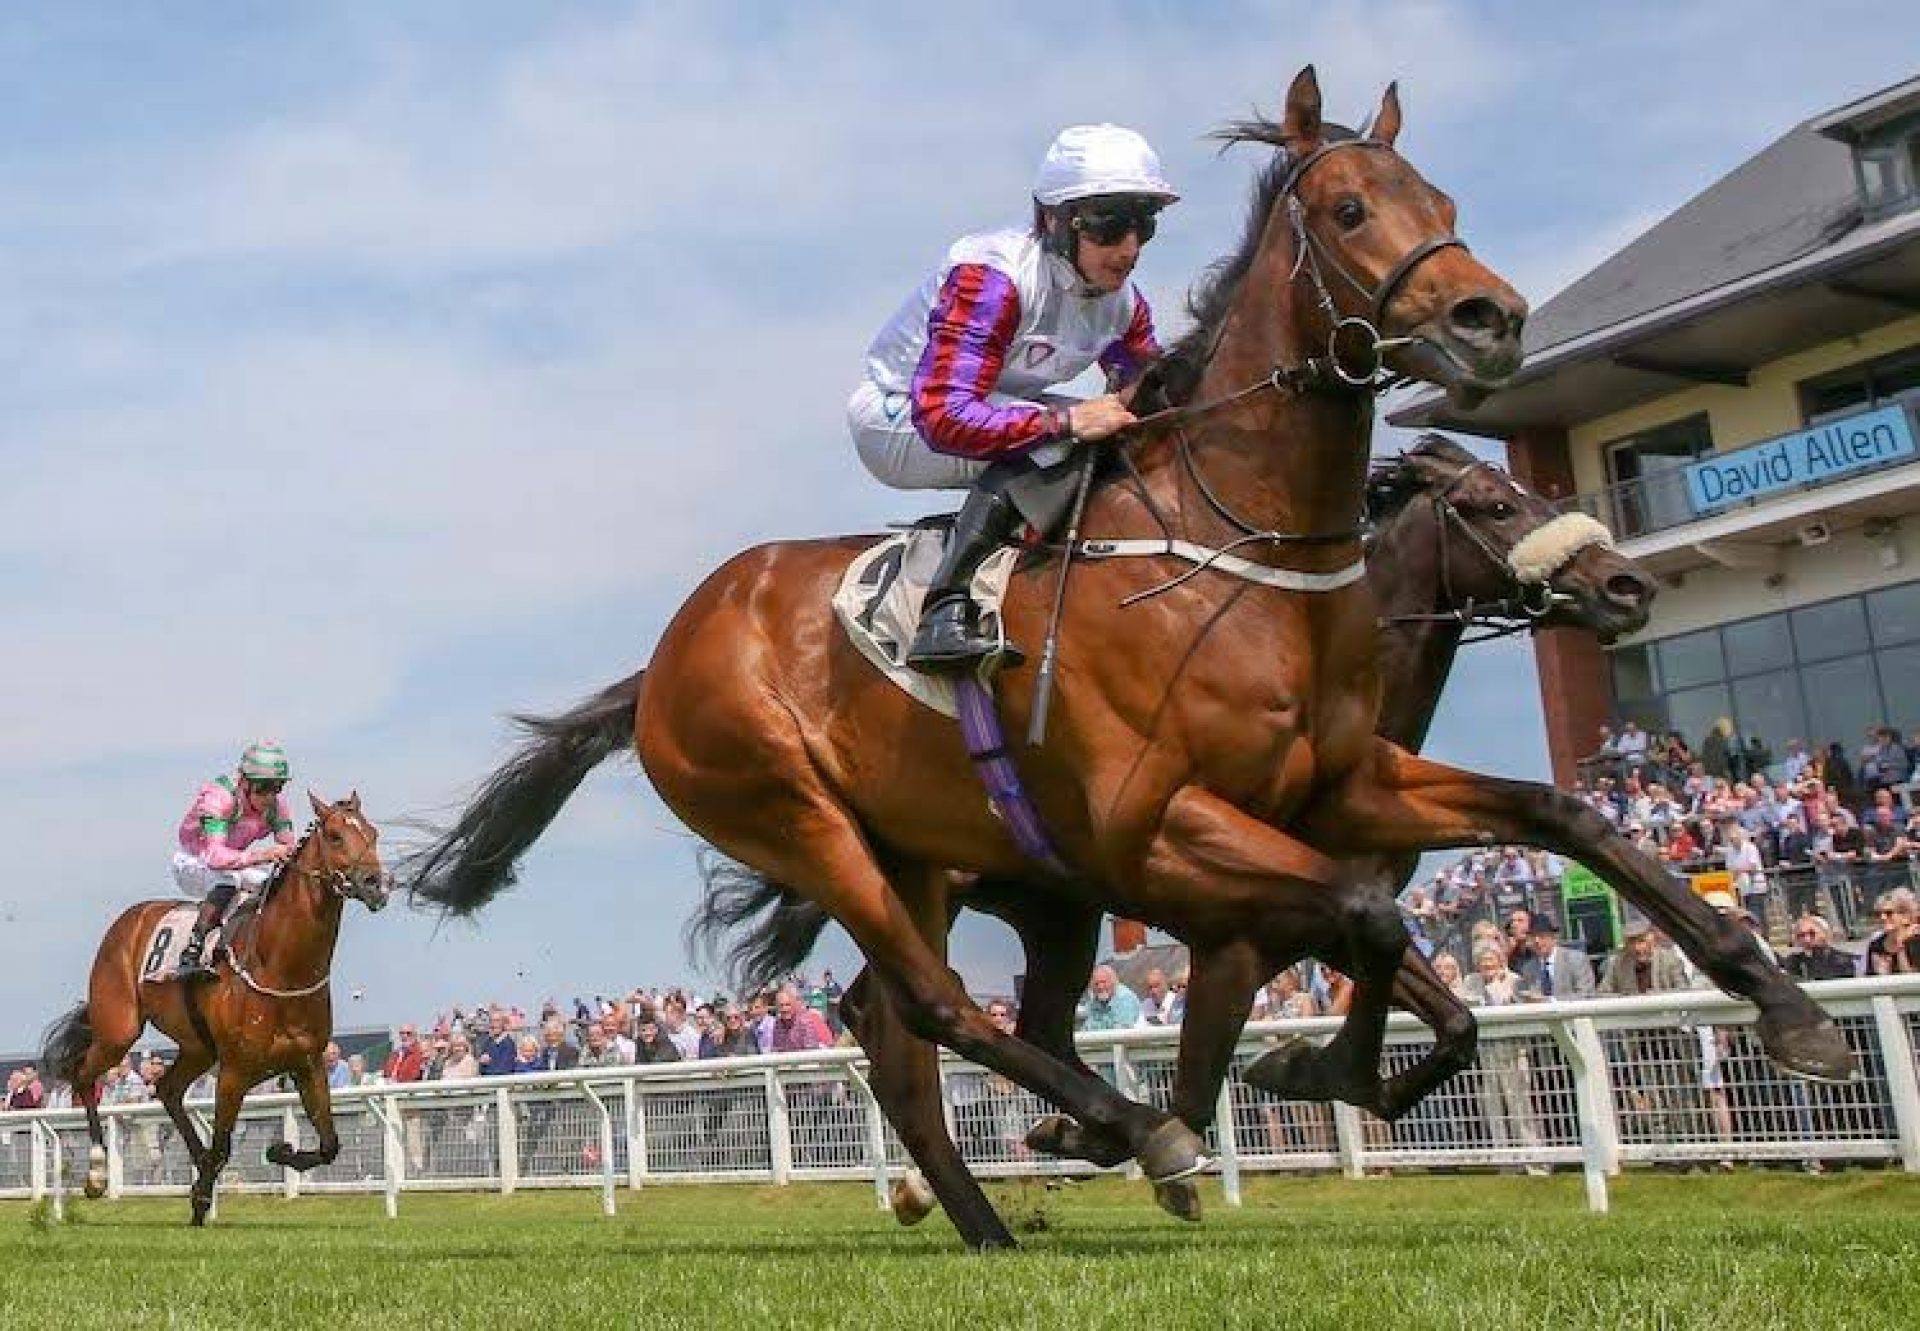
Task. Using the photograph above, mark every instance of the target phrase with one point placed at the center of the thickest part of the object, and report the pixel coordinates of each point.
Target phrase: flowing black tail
(751, 955)
(472, 862)
(65, 1044)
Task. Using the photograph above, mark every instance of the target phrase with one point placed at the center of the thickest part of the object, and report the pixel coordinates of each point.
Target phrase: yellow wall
(1769, 406)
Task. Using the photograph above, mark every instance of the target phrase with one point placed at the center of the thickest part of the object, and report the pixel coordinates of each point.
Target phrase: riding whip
(1043, 684)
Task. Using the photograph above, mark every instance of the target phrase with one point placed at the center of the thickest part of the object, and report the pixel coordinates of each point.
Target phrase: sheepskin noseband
(1546, 550)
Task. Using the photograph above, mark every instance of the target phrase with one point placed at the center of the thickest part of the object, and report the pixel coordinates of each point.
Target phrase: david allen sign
(1792, 461)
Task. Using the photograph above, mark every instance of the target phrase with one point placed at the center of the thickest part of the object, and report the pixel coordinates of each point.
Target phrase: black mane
(1396, 482)
(1177, 375)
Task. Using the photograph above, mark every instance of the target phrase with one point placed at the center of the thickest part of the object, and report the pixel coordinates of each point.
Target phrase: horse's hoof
(911, 1199)
(1279, 1069)
(1813, 1049)
(281, 1154)
(1050, 1135)
(1173, 1152)
(96, 1184)
(1065, 1138)
(1179, 1199)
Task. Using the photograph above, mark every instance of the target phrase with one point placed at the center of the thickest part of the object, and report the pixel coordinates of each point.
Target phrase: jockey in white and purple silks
(956, 393)
(221, 842)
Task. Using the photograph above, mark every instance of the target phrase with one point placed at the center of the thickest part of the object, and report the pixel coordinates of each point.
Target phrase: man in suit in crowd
(1550, 971)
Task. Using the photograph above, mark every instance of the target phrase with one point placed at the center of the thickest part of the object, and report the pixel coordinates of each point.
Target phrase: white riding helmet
(1086, 161)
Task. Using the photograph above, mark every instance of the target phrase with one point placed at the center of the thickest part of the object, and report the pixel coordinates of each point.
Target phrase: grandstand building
(1737, 394)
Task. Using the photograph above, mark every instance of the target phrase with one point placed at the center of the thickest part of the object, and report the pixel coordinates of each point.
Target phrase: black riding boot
(948, 639)
(191, 966)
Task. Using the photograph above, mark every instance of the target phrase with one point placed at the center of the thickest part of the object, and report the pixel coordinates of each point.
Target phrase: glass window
(1649, 488)
(1842, 701)
(1693, 712)
(1894, 378)
(1691, 658)
(1633, 675)
(1758, 644)
(1768, 708)
(1834, 628)
(1894, 613)
(1900, 678)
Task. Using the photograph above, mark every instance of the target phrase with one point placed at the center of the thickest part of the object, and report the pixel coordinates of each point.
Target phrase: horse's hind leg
(112, 1037)
(310, 1079)
(904, 1074)
(804, 837)
(1302, 1071)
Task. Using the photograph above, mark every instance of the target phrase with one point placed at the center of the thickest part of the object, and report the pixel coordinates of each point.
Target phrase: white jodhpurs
(196, 879)
(882, 427)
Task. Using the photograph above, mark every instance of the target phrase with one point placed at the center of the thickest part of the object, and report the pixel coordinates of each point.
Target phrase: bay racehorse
(1212, 757)
(1456, 545)
(267, 1012)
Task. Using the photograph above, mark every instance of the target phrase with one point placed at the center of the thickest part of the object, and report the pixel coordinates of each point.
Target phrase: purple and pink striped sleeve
(1135, 349)
(968, 332)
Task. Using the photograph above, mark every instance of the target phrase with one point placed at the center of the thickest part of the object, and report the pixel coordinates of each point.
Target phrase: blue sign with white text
(1819, 453)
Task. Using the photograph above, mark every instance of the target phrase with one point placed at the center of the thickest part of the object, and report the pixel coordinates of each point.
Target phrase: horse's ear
(1301, 125)
(1386, 125)
(352, 801)
(320, 806)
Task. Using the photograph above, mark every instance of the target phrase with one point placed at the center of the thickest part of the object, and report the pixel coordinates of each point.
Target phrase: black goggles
(263, 787)
(1110, 225)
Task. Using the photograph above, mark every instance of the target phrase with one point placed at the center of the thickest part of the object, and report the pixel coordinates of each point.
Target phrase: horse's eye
(336, 838)
(1501, 510)
(1349, 213)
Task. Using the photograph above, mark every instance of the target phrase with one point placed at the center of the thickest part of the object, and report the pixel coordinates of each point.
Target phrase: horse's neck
(295, 932)
(1284, 460)
(1416, 655)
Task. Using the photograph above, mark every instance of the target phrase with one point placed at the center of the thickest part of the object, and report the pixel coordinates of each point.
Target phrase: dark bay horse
(1212, 757)
(268, 1012)
(1456, 544)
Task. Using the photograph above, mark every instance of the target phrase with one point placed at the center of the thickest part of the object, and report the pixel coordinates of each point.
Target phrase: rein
(335, 880)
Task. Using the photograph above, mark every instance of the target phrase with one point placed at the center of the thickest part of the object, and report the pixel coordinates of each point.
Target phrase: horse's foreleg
(310, 1079)
(226, 1112)
(171, 1091)
(1401, 803)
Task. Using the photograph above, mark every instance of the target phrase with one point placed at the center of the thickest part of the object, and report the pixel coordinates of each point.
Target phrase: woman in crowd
(461, 1065)
(1506, 1073)
(1895, 950)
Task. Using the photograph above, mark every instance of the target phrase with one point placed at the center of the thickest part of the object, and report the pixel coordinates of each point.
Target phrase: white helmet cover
(1086, 161)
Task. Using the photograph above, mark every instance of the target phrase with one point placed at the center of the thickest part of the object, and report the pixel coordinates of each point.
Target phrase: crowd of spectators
(1790, 832)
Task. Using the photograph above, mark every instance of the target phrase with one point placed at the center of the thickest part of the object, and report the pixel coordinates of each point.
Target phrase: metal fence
(1674, 1079)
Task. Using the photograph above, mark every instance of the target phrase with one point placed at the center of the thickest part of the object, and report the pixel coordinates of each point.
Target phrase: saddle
(880, 596)
(160, 955)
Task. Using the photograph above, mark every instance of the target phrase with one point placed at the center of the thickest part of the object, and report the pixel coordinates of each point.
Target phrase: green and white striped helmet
(264, 761)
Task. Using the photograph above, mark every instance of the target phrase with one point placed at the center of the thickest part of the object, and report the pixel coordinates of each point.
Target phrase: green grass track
(1752, 1250)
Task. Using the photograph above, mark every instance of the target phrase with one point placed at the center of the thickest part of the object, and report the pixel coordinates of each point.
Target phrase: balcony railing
(1662, 501)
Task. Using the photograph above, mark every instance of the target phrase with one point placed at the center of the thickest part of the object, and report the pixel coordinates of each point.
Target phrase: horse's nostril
(1480, 318)
(1626, 589)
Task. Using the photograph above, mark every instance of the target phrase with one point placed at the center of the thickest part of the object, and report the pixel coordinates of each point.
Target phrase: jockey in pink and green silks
(234, 835)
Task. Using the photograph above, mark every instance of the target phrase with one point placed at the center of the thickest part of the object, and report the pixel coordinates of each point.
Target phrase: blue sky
(372, 371)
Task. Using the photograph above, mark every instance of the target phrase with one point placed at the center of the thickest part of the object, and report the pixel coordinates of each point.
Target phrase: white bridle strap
(1546, 550)
(1217, 561)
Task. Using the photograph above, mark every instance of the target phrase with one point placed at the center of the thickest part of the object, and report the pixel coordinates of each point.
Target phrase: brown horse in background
(1212, 756)
(269, 1010)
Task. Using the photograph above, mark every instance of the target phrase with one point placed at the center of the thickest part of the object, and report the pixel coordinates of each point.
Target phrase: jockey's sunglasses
(1110, 225)
(267, 787)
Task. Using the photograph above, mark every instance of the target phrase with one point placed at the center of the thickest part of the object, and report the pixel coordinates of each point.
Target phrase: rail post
(607, 1206)
(508, 1139)
(1580, 1044)
(779, 1130)
(636, 1134)
(1903, 1089)
(1227, 1134)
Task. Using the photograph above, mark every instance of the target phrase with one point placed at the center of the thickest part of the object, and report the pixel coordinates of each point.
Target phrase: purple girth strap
(986, 745)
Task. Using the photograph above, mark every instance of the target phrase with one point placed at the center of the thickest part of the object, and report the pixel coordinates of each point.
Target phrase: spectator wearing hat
(1549, 971)
(1643, 967)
